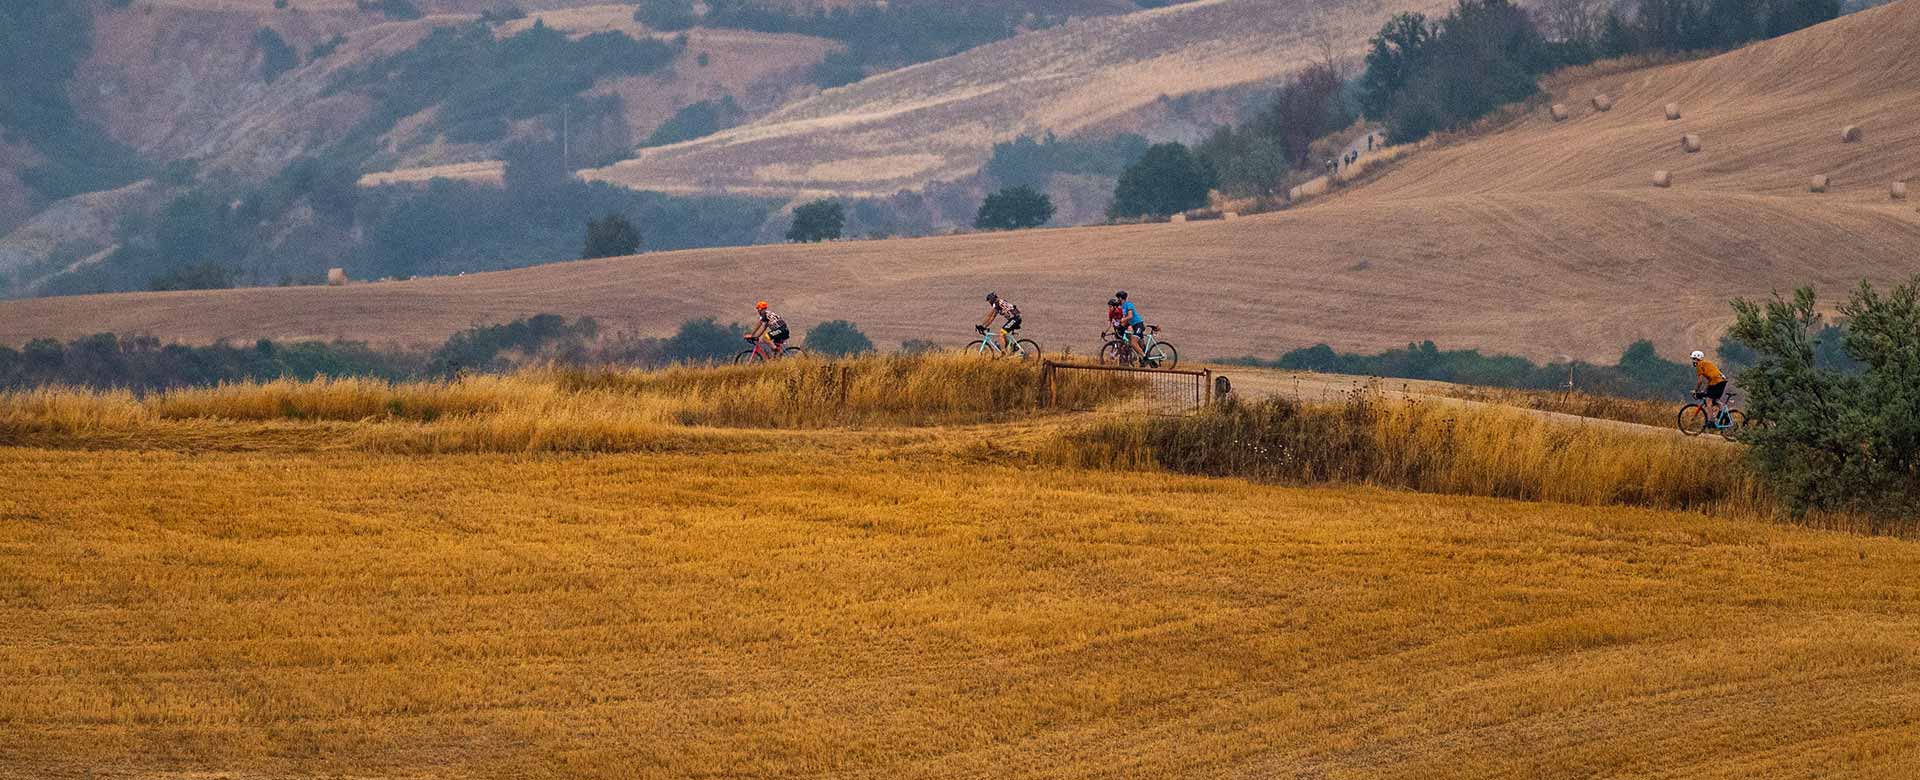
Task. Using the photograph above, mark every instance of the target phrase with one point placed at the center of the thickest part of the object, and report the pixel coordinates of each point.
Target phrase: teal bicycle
(1021, 349)
(1153, 353)
(1694, 420)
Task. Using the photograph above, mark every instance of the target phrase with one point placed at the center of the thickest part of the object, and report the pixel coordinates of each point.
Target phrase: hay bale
(1230, 215)
(336, 277)
(1850, 134)
(1673, 111)
(1818, 183)
(1690, 143)
(1898, 191)
(1559, 112)
(1602, 103)
(1178, 218)
(1662, 179)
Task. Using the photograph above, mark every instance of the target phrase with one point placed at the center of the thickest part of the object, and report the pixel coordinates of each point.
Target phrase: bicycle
(1728, 423)
(759, 355)
(1118, 350)
(1024, 349)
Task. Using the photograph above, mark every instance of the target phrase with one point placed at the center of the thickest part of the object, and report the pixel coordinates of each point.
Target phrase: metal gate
(1165, 391)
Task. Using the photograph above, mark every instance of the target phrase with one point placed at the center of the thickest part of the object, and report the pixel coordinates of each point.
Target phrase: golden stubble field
(890, 601)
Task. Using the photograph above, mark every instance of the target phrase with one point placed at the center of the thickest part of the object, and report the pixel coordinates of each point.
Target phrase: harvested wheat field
(504, 577)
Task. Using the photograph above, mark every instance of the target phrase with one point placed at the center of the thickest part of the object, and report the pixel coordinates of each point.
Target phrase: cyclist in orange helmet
(771, 324)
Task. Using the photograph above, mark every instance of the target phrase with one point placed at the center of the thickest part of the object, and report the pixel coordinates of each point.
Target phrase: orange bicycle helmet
(762, 306)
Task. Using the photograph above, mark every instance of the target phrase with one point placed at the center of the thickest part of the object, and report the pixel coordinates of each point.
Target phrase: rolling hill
(1540, 239)
(939, 120)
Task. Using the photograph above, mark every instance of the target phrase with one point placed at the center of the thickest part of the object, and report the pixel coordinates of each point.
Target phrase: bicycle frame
(990, 343)
(772, 351)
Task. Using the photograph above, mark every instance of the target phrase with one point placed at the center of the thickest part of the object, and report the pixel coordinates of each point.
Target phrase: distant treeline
(143, 364)
(1640, 372)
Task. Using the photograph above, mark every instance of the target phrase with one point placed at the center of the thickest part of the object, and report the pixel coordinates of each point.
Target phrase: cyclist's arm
(758, 328)
(991, 313)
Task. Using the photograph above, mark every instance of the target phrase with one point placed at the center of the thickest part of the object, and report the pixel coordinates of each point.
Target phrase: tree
(1839, 439)
(1014, 208)
(610, 236)
(666, 14)
(821, 220)
(703, 339)
(1392, 58)
(1167, 180)
(276, 57)
(837, 338)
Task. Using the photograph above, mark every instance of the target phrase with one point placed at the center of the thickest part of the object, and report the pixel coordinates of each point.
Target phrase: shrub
(610, 236)
(1013, 209)
(276, 57)
(820, 220)
(1837, 439)
(837, 338)
(200, 276)
(666, 14)
(697, 120)
(325, 48)
(392, 9)
(704, 340)
(1029, 162)
(1166, 180)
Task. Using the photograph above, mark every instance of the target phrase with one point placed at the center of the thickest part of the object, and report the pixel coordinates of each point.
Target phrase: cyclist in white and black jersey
(1005, 309)
(771, 324)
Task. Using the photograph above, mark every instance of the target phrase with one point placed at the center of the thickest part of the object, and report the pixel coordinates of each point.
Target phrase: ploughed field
(644, 576)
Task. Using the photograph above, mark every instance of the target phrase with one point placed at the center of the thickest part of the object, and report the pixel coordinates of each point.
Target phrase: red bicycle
(764, 350)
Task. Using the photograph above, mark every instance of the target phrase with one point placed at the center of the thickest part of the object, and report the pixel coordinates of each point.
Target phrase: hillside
(665, 576)
(1540, 240)
(939, 120)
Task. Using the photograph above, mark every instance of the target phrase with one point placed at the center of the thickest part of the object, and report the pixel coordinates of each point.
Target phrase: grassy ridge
(1435, 448)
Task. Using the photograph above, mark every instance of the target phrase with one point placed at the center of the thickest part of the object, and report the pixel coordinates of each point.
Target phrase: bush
(610, 236)
(1167, 180)
(666, 14)
(1837, 439)
(704, 340)
(393, 9)
(821, 220)
(1640, 373)
(697, 120)
(1030, 162)
(1013, 209)
(837, 338)
(325, 48)
(200, 276)
(276, 57)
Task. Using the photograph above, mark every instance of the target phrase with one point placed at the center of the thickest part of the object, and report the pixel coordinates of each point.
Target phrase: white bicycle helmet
(1698, 355)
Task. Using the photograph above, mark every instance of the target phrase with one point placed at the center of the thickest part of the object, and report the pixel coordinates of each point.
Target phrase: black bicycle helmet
(1122, 295)
(991, 297)
(1113, 301)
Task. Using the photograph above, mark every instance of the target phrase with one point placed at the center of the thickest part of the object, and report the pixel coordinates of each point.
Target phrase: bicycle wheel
(979, 346)
(1692, 419)
(1736, 425)
(792, 352)
(1027, 350)
(747, 356)
(1162, 355)
(1112, 353)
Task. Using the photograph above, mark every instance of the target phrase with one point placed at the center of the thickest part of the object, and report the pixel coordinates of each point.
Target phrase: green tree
(1393, 57)
(1838, 439)
(1167, 180)
(1014, 208)
(821, 220)
(276, 57)
(666, 14)
(610, 236)
(837, 338)
(703, 339)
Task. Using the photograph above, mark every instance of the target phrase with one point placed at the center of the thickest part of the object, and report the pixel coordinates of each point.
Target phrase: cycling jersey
(1133, 314)
(1005, 308)
(772, 321)
(1710, 372)
(1116, 316)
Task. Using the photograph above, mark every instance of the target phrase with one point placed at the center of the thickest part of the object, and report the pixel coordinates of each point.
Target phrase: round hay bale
(1230, 215)
(1178, 218)
(336, 277)
(1673, 111)
(1662, 179)
(1558, 111)
(1850, 134)
(1818, 183)
(1690, 143)
(1602, 103)
(1898, 191)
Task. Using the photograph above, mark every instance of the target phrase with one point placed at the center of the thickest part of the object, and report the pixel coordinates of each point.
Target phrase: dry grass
(1657, 414)
(845, 612)
(551, 409)
(1438, 448)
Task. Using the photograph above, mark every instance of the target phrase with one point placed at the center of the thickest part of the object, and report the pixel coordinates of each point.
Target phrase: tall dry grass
(1427, 447)
(559, 409)
(1658, 414)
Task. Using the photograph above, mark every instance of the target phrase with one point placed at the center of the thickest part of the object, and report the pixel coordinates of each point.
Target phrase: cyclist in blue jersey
(1136, 324)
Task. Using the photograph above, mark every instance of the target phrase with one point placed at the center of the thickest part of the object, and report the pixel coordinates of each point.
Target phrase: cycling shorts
(1012, 324)
(1139, 328)
(1716, 390)
(779, 335)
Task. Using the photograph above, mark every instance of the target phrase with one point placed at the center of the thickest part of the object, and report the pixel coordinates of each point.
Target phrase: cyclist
(1134, 323)
(1116, 318)
(1711, 381)
(1001, 307)
(772, 325)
